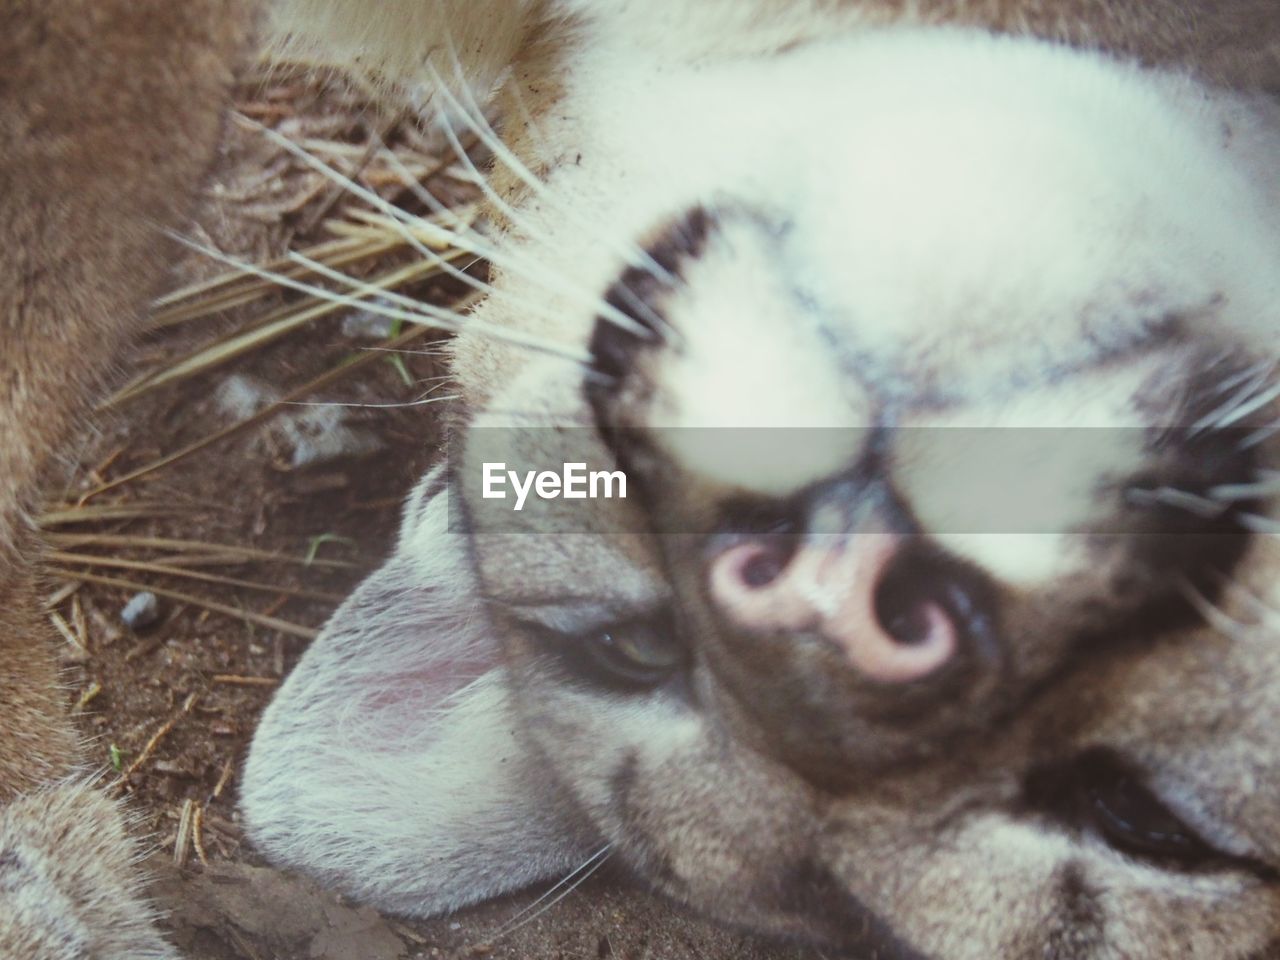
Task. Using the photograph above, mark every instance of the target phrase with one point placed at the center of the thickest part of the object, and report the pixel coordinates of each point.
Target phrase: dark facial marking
(1100, 791)
(823, 908)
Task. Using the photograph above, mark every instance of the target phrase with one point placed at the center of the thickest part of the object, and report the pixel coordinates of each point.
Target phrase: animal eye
(1132, 819)
(1099, 791)
(635, 654)
(628, 654)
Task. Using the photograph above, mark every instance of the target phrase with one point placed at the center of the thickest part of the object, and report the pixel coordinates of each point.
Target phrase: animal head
(939, 615)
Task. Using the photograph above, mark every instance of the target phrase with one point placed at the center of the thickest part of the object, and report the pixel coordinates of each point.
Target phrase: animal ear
(388, 765)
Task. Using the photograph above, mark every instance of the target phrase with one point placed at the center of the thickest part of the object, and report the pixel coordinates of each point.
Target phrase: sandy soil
(172, 708)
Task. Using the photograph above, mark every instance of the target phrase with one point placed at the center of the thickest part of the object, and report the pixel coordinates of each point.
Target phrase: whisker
(1245, 401)
(424, 315)
(1259, 373)
(1257, 403)
(1259, 436)
(560, 883)
(400, 221)
(603, 308)
(1257, 524)
(600, 857)
(1267, 485)
(355, 283)
(423, 399)
(635, 303)
(468, 238)
(458, 231)
(1213, 615)
(1256, 604)
(1192, 503)
(399, 218)
(440, 209)
(420, 402)
(523, 266)
(407, 353)
(409, 303)
(634, 255)
(447, 319)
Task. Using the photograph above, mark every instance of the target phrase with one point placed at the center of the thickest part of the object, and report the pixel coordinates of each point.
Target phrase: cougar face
(937, 619)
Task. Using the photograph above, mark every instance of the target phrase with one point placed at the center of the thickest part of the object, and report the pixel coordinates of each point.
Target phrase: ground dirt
(170, 710)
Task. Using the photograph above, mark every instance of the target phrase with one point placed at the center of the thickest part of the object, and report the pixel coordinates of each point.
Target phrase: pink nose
(830, 585)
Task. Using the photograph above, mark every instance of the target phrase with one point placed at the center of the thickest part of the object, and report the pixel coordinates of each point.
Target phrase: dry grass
(310, 230)
(196, 508)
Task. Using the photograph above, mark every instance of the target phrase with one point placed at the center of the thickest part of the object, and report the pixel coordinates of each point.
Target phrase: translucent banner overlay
(944, 480)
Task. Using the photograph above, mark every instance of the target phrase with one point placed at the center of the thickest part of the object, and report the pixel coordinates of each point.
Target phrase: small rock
(319, 435)
(142, 611)
(240, 397)
(367, 325)
(312, 433)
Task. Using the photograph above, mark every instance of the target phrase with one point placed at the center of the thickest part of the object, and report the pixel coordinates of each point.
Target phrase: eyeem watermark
(573, 482)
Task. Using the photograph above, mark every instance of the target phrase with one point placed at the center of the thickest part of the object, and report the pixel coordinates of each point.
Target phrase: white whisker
(634, 255)
(426, 197)
(603, 308)
(457, 229)
(1267, 485)
(1259, 436)
(1245, 401)
(424, 314)
(1256, 524)
(1256, 604)
(637, 305)
(1258, 373)
(420, 402)
(367, 289)
(1213, 615)
(510, 335)
(400, 221)
(524, 266)
(1192, 503)
(540, 906)
(1257, 403)
(408, 353)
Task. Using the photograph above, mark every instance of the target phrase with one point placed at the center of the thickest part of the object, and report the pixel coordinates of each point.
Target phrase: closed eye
(1099, 792)
(630, 655)
(1132, 819)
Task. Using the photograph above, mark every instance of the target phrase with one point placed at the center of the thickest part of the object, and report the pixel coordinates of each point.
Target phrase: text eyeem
(572, 482)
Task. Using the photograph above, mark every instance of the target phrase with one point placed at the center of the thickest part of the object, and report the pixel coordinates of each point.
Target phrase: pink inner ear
(391, 710)
(399, 657)
(393, 662)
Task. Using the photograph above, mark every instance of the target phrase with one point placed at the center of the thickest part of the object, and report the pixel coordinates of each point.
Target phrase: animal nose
(894, 613)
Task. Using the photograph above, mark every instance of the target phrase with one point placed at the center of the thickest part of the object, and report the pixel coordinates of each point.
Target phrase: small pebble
(366, 325)
(142, 611)
(311, 435)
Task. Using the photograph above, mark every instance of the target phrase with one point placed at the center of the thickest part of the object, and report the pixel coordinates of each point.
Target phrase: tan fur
(108, 117)
(769, 786)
